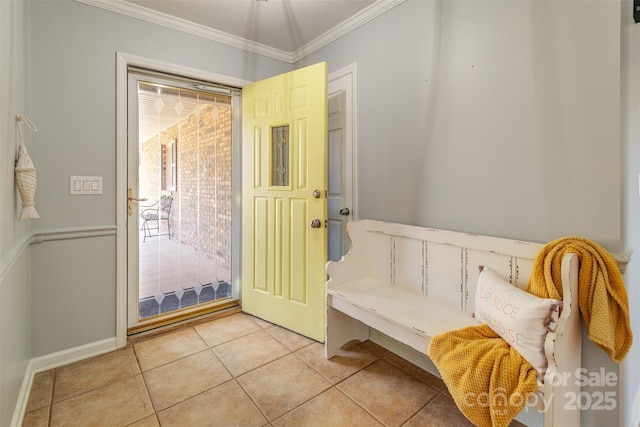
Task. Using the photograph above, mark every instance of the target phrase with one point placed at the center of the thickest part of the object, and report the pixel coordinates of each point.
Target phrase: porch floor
(173, 276)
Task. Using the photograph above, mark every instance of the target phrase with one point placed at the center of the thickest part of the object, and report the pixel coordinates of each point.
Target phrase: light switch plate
(85, 185)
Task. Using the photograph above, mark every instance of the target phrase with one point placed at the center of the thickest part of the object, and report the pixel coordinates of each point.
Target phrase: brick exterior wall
(201, 209)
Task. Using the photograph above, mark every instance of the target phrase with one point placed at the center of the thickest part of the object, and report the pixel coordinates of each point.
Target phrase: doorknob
(316, 223)
(131, 199)
(344, 211)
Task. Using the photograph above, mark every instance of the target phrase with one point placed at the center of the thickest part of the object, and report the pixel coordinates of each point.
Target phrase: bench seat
(413, 283)
(393, 310)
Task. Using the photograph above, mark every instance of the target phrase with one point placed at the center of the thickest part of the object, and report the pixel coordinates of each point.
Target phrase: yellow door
(284, 239)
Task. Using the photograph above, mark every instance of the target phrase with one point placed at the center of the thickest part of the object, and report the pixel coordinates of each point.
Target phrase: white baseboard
(635, 414)
(71, 355)
(50, 361)
(530, 417)
(404, 351)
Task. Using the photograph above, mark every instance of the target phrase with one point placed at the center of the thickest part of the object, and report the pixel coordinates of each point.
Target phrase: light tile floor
(239, 370)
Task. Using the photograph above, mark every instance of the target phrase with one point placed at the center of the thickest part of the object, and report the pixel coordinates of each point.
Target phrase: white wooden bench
(411, 283)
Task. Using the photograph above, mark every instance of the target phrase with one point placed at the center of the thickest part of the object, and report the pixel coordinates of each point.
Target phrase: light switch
(85, 185)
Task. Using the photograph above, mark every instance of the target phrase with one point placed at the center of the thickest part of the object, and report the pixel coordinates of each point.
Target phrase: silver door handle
(344, 211)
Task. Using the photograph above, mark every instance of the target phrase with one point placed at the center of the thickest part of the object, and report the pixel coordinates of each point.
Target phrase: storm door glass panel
(280, 156)
(185, 174)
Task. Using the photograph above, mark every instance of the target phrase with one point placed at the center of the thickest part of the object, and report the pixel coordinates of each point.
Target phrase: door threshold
(176, 319)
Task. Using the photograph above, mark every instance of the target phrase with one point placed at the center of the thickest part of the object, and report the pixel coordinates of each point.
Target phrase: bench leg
(340, 330)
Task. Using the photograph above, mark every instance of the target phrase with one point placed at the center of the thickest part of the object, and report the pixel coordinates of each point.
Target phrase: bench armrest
(354, 264)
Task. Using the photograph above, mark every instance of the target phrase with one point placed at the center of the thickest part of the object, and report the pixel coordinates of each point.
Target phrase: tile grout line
(290, 352)
(422, 407)
(345, 378)
(305, 402)
(384, 358)
(190, 397)
(332, 385)
(208, 348)
(174, 360)
(53, 384)
(257, 367)
(253, 401)
(360, 406)
(153, 406)
(233, 377)
(380, 354)
(146, 388)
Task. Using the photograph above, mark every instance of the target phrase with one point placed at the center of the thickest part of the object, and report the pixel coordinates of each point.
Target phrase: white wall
(630, 90)
(499, 118)
(15, 310)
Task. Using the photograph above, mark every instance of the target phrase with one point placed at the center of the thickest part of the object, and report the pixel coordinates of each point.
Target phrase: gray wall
(73, 78)
(493, 117)
(500, 118)
(15, 311)
(503, 118)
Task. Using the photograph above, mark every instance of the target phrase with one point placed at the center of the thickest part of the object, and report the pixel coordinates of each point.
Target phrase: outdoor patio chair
(153, 215)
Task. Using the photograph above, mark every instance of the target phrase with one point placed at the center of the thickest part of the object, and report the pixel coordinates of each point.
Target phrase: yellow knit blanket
(489, 380)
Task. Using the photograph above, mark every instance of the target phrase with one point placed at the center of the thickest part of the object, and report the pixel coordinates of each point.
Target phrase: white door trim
(351, 124)
(123, 61)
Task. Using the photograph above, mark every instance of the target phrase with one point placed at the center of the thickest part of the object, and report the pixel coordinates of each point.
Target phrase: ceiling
(281, 24)
(161, 106)
(287, 30)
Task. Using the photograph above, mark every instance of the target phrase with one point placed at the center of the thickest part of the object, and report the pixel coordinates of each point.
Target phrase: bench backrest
(443, 264)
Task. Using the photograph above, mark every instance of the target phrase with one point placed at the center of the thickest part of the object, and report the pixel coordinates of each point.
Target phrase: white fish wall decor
(26, 175)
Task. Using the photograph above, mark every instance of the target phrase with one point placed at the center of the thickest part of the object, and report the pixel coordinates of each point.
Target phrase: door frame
(123, 61)
(351, 130)
(351, 125)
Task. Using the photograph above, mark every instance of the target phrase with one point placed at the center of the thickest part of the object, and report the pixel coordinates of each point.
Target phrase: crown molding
(360, 18)
(135, 11)
(145, 14)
